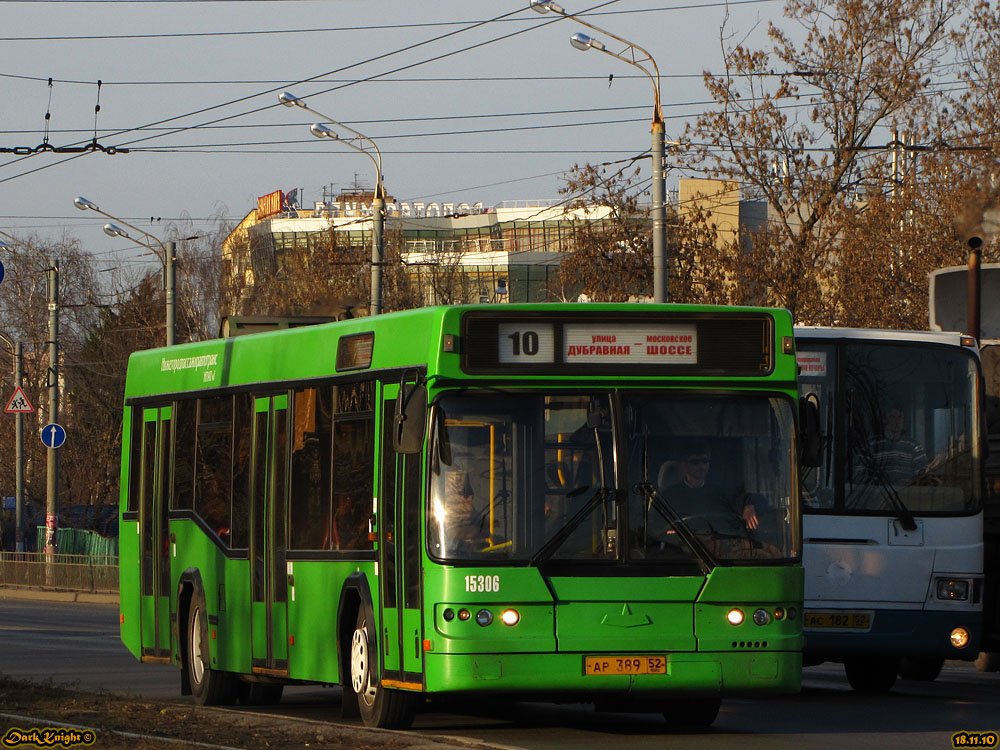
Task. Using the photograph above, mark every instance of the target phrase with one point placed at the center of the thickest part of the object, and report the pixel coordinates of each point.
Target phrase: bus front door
(154, 539)
(399, 556)
(269, 584)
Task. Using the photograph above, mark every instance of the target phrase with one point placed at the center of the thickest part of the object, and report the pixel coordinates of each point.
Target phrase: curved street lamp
(637, 57)
(378, 201)
(166, 253)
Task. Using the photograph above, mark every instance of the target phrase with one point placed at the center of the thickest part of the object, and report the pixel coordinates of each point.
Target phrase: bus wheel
(258, 694)
(988, 661)
(872, 674)
(920, 667)
(210, 687)
(692, 713)
(379, 706)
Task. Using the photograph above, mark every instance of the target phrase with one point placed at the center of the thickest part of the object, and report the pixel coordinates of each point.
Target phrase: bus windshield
(898, 429)
(647, 477)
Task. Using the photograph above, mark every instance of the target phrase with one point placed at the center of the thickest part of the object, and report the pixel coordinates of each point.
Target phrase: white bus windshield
(899, 422)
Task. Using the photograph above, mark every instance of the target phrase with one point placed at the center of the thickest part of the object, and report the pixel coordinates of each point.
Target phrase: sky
(468, 102)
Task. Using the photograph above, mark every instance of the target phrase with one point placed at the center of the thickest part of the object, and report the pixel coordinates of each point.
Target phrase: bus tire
(988, 661)
(925, 668)
(210, 687)
(258, 693)
(379, 706)
(692, 713)
(873, 675)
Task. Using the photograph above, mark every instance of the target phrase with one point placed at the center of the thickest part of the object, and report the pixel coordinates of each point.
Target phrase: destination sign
(638, 344)
(594, 343)
(684, 343)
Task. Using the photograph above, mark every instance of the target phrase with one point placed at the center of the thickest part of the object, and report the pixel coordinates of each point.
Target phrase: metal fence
(90, 573)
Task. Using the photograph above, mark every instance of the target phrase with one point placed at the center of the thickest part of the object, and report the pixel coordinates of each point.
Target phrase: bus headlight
(959, 637)
(954, 590)
(510, 617)
(761, 617)
(484, 617)
(735, 616)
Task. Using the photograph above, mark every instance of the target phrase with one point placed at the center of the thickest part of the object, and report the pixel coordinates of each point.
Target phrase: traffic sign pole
(19, 429)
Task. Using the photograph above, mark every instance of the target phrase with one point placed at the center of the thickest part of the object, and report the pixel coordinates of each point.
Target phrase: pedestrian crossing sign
(18, 403)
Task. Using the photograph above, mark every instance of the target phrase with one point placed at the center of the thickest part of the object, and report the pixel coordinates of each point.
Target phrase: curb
(58, 596)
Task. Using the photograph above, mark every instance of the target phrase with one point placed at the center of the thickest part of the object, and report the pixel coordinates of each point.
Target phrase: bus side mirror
(411, 418)
(810, 434)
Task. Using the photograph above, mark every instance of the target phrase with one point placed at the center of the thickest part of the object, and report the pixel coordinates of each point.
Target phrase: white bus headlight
(954, 590)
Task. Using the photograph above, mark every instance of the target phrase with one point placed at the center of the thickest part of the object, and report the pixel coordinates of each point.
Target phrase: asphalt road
(78, 644)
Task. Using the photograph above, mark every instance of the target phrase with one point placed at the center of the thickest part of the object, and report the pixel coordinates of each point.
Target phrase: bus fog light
(464, 614)
(955, 590)
(735, 616)
(510, 617)
(448, 614)
(779, 613)
(959, 637)
(761, 617)
(484, 617)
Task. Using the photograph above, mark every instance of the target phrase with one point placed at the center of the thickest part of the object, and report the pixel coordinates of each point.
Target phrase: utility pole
(169, 256)
(378, 248)
(52, 465)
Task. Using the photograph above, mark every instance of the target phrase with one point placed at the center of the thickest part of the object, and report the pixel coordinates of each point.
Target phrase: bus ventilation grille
(749, 644)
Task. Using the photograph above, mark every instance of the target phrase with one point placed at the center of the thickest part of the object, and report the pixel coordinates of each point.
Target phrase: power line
(311, 78)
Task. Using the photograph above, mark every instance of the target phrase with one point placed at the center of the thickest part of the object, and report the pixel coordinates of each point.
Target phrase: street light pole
(635, 56)
(52, 464)
(378, 201)
(167, 255)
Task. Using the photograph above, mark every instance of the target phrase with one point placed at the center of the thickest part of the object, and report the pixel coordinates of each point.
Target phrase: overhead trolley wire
(306, 80)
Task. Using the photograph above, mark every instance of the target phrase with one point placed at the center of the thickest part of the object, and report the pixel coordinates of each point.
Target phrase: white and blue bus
(893, 516)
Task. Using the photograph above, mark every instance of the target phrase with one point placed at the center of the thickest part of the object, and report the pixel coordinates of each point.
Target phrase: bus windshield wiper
(885, 484)
(555, 542)
(655, 499)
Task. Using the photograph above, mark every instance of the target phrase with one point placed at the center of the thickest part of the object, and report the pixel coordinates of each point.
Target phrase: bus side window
(213, 464)
(353, 465)
(183, 426)
(309, 505)
(239, 509)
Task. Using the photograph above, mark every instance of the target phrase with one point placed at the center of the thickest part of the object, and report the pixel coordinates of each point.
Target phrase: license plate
(838, 620)
(643, 664)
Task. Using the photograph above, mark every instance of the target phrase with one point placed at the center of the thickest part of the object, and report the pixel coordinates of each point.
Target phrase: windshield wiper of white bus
(555, 542)
(665, 509)
(885, 484)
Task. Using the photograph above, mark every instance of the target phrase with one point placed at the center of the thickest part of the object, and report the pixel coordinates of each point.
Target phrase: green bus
(592, 503)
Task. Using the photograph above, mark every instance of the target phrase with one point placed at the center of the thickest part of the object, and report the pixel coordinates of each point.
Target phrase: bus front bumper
(762, 672)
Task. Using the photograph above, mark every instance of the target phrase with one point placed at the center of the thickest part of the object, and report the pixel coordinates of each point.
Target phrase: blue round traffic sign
(53, 435)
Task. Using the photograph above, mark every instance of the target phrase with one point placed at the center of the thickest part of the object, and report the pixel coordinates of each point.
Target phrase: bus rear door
(154, 540)
(269, 595)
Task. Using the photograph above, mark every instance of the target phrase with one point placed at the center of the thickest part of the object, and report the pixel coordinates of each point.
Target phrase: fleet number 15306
(482, 584)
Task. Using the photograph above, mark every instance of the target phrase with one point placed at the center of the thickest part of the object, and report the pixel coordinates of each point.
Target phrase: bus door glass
(269, 584)
(818, 381)
(154, 537)
(399, 552)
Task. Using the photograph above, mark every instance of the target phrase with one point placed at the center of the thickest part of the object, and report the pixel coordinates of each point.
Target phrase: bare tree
(794, 124)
